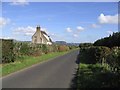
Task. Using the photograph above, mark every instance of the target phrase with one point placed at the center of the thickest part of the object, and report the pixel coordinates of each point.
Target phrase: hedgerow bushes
(105, 53)
(0, 51)
(7, 51)
(24, 49)
(99, 65)
(111, 41)
(113, 59)
(63, 48)
(101, 54)
(93, 55)
(39, 49)
(15, 50)
(96, 76)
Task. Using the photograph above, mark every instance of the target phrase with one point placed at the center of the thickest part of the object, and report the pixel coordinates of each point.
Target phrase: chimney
(38, 28)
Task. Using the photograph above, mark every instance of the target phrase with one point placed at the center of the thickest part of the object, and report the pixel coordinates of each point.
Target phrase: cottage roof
(44, 32)
(45, 35)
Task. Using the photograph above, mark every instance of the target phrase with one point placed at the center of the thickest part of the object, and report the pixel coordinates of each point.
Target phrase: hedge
(7, 51)
(92, 55)
(63, 48)
(0, 51)
(113, 59)
(14, 50)
(110, 58)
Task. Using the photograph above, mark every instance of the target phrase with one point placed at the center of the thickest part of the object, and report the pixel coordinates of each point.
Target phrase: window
(35, 41)
(35, 36)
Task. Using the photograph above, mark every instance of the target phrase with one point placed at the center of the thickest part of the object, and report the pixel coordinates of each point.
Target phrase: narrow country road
(56, 73)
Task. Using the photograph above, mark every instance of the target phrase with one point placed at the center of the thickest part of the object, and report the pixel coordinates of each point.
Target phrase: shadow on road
(73, 85)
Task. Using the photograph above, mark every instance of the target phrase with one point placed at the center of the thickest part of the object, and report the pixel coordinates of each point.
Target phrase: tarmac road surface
(55, 73)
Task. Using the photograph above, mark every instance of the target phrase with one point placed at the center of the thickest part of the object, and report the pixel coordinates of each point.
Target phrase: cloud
(57, 37)
(27, 31)
(108, 19)
(68, 29)
(75, 35)
(95, 26)
(79, 28)
(4, 37)
(19, 2)
(110, 32)
(4, 21)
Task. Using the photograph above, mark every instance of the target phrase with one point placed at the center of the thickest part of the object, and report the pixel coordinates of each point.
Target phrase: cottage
(41, 37)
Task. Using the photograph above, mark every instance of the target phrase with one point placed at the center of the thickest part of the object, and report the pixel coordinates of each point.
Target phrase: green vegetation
(85, 45)
(19, 55)
(12, 51)
(96, 76)
(93, 54)
(27, 61)
(7, 51)
(111, 41)
(99, 63)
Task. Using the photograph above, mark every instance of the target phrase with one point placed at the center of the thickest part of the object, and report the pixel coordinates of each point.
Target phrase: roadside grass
(96, 76)
(27, 61)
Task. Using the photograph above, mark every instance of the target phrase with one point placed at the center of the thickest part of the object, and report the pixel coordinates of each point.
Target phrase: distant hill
(65, 43)
(71, 44)
(60, 42)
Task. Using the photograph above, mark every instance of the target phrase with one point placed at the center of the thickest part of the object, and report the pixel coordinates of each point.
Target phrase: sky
(73, 22)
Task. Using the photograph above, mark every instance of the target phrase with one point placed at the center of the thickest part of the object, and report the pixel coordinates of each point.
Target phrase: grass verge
(27, 61)
(96, 76)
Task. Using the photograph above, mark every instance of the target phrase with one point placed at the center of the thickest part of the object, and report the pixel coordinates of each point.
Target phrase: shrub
(72, 47)
(17, 50)
(111, 41)
(101, 54)
(87, 55)
(96, 76)
(7, 51)
(36, 53)
(85, 45)
(24, 49)
(45, 49)
(0, 51)
(52, 48)
(92, 55)
(63, 48)
(113, 59)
